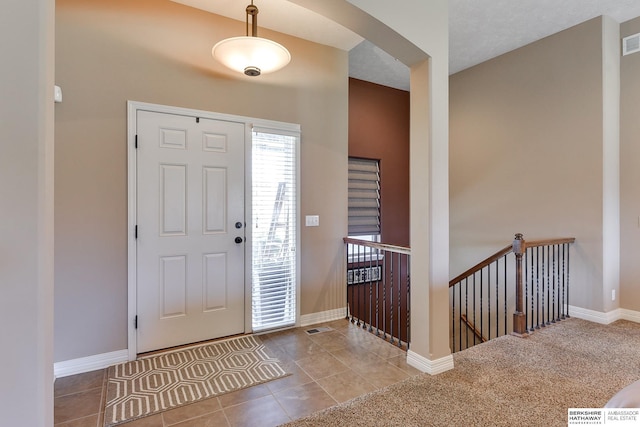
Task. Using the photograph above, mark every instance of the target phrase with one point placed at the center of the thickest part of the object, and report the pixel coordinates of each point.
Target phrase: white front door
(190, 218)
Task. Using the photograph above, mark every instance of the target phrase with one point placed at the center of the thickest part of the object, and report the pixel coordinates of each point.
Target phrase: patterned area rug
(165, 381)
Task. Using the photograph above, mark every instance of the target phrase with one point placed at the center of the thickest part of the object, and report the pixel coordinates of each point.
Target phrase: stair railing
(482, 296)
(378, 297)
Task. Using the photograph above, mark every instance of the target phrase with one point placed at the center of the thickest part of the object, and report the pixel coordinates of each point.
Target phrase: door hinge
(135, 322)
(135, 232)
(197, 119)
(135, 144)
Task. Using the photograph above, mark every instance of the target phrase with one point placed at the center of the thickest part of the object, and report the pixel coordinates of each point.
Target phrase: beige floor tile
(345, 386)
(356, 356)
(276, 350)
(382, 348)
(380, 374)
(298, 377)
(194, 410)
(401, 363)
(77, 405)
(301, 348)
(321, 365)
(79, 382)
(262, 412)
(216, 419)
(90, 421)
(150, 421)
(244, 395)
(330, 341)
(304, 400)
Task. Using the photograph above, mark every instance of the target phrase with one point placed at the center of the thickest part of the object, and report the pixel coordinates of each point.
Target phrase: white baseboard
(323, 316)
(630, 315)
(604, 318)
(89, 363)
(431, 367)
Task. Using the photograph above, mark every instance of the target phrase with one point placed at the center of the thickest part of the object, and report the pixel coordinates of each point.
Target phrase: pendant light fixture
(250, 54)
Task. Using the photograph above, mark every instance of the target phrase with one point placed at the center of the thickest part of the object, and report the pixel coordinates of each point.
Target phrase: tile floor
(327, 368)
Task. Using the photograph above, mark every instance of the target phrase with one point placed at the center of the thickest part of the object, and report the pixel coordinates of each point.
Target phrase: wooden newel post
(519, 319)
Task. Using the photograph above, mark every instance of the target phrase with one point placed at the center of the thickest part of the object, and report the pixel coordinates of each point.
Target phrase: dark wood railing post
(519, 319)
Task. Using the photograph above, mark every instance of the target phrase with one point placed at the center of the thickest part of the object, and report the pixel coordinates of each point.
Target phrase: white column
(26, 212)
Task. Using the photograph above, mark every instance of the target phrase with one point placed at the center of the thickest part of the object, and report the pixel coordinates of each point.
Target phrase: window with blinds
(364, 197)
(274, 228)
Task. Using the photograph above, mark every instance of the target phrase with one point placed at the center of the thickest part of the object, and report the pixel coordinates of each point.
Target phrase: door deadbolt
(239, 239)
(238, 224)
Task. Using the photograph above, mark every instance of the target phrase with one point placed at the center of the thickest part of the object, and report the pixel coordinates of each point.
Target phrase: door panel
(190, 272)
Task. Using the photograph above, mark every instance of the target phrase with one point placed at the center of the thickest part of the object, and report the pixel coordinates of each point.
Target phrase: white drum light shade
(251, 55)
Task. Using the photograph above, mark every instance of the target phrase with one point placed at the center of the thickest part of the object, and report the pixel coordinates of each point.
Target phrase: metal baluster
(567, 275)
(474, 307)
(391, 301)
(532, 280)
(489, 302)
(460, 317)
(466, 311)
(399, 300)
(526, 291)
(384, 300)
(481, 304)
(409, 302)
(497, 298)
(545, 287)
(504, 259)
(357, 286)
(538, 288)
(555, 273)
(378, 281)
(372, 251)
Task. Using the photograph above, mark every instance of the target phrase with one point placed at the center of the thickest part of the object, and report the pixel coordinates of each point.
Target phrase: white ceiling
(478, 29)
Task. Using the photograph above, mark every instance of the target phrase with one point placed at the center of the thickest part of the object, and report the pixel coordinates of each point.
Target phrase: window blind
(364, 197)
(274, 222)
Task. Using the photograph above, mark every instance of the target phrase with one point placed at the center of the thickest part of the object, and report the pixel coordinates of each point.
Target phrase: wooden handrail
(376, 245)
(482, 264)
(528, 244)
(549, 242)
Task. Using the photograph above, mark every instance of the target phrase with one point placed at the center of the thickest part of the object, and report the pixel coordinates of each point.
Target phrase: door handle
(239, 240)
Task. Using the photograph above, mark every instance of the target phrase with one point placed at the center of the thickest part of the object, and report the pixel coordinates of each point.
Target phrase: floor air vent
(631, 44)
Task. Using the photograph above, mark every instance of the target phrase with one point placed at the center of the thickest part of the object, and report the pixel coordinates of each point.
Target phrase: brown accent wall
(379, 129)
(630, 173)
(158, 51)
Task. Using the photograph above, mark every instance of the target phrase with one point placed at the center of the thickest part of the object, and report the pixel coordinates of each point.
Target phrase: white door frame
(132, 109)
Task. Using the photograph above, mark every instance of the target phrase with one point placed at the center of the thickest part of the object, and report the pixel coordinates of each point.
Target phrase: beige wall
(526, 155)
(111, 51)
(630, 173)
(26, 209)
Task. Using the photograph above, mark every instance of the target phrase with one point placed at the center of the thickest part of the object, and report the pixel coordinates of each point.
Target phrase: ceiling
(478, 29)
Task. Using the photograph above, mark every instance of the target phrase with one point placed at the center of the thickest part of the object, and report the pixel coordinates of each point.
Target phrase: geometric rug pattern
(168, 380)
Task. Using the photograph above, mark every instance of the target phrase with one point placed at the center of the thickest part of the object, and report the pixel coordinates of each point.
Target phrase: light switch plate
(312, 220)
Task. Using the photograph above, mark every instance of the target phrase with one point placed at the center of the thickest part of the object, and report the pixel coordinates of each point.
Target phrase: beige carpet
(171, 379)
(508, 381)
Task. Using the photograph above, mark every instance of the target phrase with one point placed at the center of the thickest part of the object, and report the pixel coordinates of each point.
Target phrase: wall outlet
(613, 294)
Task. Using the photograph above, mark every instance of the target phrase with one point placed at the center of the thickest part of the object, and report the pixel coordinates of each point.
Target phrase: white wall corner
(89, 363)
(431, 367)
(323, 316)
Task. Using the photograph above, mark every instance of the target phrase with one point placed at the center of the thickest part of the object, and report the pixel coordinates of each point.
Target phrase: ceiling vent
(631, 44)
